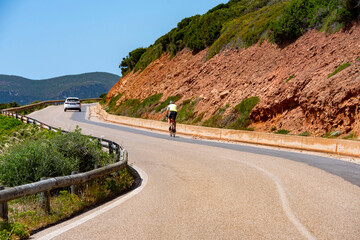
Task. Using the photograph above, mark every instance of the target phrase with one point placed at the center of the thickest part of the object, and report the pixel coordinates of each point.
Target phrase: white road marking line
(284, 201)
(60, 231)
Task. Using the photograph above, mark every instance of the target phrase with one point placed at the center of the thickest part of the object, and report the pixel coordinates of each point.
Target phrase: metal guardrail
(44, 186)
(52, 102)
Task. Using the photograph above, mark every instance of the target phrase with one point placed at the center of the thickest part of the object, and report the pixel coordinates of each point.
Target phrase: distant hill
(25, 91)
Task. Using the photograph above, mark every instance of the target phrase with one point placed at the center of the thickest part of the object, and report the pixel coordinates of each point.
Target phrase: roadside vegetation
(339, 69)
(238, 118)
(28, 154)
(242, 23)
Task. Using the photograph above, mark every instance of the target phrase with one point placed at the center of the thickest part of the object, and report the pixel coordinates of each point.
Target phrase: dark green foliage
(164, 104)
(301, 15)
(49, 154)
(282, 131)
(339, 69)
(25, 91)
(103, 98)
(241, 23)
(9, 105)
(273, 129)
(128, 63)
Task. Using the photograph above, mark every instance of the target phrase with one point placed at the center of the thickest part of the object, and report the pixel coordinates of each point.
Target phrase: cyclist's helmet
(171, 102)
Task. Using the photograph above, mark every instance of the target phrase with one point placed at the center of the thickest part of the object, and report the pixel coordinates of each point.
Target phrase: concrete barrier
(335, 146)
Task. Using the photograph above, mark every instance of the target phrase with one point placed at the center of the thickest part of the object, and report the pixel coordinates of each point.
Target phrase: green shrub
(273, 128)
(13, 231)
(7, 124)
(339, 69)
(112, 103)
(301, 15)
(216, 119)
(304, 134)
(165, 103)
(103, 98)
(136, 108)
(247, 29)
(128, 63)
(241, 23)
(198, 118)
(9, 105)
(244, 109)
(350, 136)
(55, 155)
(186, 112)
(282, 131)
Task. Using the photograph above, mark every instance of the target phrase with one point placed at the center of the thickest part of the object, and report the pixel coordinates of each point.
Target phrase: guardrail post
(110, 148)
(45, 199)
(4, 208)
(74, 188)
(117, 153)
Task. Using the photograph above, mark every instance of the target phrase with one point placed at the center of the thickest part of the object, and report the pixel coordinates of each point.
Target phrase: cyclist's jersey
(172, 108)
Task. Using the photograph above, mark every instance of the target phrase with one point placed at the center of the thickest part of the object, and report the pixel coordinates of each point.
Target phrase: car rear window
(72, 100)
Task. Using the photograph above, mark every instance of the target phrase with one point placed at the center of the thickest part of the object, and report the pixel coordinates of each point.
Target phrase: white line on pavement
(284, 201)
(60, 231)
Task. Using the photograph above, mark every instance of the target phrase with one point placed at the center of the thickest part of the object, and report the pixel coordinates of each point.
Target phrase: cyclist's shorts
(172, 115)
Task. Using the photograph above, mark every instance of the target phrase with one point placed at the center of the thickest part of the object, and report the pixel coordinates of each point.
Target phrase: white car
(72, 103)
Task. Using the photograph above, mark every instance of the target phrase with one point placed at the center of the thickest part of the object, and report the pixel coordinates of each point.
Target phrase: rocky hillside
(25, 91)
(297, 83)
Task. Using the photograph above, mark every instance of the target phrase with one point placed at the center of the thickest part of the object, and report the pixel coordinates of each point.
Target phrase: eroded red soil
(310, 101)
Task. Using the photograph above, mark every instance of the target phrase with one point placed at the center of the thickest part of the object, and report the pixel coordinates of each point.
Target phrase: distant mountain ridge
(25, 91)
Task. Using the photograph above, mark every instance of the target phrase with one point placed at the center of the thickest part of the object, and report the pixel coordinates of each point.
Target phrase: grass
(339, 69)
(112, 102)
(282, 131)
(186, 112)
(350, 136)
(137, 108)
(304, 134)
(28, 212)
(91, 101)
(216, 119)
(291, 77)
(244, 109)
(165, 103)
(331, 134)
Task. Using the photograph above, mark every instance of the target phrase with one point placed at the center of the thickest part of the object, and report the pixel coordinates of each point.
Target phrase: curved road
(197, 189)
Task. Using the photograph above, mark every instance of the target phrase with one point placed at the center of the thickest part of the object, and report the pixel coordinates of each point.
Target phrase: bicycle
(172, 128)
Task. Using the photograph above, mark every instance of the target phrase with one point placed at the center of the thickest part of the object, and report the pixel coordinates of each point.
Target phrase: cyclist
(171, 113)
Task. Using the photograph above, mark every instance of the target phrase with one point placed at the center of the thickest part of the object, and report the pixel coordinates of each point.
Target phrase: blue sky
(48, 38)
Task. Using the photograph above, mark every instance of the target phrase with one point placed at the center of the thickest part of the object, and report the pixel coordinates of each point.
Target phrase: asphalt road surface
(198, 189)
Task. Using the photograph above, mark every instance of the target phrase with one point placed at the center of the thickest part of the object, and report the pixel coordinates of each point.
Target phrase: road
(198, 189)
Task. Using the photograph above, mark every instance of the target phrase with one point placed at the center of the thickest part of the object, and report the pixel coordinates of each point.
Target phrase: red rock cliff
(310, 101)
